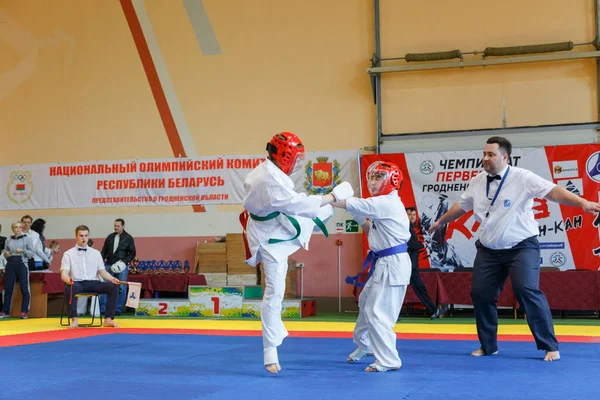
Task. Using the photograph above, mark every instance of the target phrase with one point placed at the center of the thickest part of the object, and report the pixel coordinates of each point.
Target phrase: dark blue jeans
(122, 276)
(106, 288)
(16, 270)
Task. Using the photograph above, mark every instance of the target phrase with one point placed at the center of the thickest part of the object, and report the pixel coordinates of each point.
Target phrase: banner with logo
(433, 182)
(207, 180)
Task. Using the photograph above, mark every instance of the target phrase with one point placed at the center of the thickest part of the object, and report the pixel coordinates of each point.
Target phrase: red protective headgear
(287, 149)
(389, 173)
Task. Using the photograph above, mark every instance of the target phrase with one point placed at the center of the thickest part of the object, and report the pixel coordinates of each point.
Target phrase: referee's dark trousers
(108, 288)
(491, 268)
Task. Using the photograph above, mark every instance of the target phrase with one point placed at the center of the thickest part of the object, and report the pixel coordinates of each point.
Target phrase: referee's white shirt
(82, 264)
(510, 219)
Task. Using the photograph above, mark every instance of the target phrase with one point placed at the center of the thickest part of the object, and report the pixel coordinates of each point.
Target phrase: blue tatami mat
(174, 367)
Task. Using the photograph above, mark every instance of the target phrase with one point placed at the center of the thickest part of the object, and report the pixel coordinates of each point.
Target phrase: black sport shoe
(439, 312)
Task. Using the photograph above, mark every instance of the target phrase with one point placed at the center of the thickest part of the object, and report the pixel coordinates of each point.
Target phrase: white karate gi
(381, 300)
(268, 189)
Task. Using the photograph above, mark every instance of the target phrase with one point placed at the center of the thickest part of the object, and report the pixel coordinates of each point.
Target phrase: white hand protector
(118, 267)
(343, 191)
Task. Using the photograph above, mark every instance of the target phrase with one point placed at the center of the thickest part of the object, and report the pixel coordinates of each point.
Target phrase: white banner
(206, 180)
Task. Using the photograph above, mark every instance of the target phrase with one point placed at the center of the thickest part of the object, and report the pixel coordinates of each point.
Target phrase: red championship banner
(433, 182)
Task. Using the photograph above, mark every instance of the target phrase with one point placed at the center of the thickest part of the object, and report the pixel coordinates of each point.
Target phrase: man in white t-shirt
(502, 201)
(81, 268)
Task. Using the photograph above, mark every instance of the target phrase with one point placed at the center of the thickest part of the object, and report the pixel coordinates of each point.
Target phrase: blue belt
(372, 257)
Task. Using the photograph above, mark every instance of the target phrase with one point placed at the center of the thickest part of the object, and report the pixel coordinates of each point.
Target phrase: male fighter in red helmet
(389, 275)
(281, 221)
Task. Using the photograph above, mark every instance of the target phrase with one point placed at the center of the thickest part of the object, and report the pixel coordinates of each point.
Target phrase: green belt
(294, 222)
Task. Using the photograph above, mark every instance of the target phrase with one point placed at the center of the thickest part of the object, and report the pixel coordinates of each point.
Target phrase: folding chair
(94, 296)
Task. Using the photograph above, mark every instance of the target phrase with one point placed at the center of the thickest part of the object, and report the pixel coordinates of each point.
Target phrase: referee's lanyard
(487, 191)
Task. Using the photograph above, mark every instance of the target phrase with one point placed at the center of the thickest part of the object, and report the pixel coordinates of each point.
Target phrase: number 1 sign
(222, 301)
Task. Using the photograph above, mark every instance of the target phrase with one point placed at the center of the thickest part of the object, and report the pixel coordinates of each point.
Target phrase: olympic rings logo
(19, 177)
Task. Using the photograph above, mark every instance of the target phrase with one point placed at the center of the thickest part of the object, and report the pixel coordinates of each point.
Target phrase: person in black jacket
(2, 242)
(118, 251)
(2, 239)
(414, 246)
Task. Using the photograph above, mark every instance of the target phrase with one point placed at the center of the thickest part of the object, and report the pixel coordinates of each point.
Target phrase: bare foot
(379, 368)
(74, 323)
(273, 368)
(552, 356)
(110, 323)
(357, 355)
(480, 353)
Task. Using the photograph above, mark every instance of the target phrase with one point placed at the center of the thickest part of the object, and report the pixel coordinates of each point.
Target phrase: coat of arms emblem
(322, 176)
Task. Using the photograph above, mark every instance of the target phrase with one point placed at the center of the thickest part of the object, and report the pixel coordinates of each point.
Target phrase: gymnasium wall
(545, 93)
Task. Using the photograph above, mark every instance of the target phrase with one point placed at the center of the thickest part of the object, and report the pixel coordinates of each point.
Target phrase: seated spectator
(53, 248)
